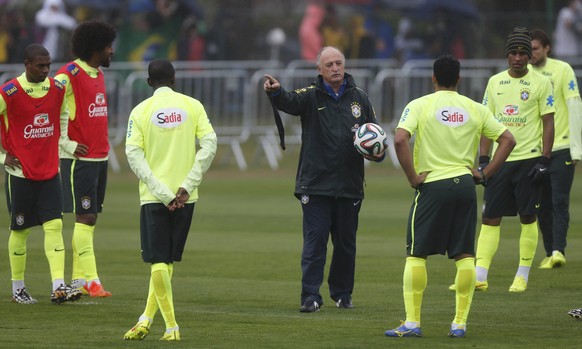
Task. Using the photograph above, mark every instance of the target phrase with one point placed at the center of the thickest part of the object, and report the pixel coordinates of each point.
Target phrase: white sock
(169, 330)
(78, 283)
(410, 324)
(57, 283)
(523, 271)
(555, 252)
(481, 274)
(17, 285)
(144, 318)
(455, 326)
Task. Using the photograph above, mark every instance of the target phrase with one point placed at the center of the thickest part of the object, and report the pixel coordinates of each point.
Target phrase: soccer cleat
(345, 302)
(558, 260)
(309, 306)
(403, 331)
(458, 333)
(174, 335)
(96, 290)
(479, 286)
(139, 331)
(519, 284)
(73, 294)
(576, 313)
(546, 263)
(21, 296)
(65, 293)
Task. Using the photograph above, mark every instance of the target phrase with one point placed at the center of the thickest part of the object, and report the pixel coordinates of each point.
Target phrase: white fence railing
(233, 96)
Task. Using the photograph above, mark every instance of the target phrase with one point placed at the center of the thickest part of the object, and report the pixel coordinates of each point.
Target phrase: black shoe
(344, 302)
(309, 306)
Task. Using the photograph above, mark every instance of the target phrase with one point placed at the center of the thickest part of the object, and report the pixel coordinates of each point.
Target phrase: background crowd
(260, 29)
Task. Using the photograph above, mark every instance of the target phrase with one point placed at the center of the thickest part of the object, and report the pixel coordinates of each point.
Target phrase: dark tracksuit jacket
(329, 165)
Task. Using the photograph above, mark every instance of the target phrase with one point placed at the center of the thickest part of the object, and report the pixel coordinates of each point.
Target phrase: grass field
(238, 285)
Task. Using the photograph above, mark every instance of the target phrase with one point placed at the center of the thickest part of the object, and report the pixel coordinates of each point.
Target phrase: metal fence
(232, 94)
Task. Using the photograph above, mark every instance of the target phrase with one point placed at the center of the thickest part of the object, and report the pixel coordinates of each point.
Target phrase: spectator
(54, 19)
(568, 28)
(310, 35)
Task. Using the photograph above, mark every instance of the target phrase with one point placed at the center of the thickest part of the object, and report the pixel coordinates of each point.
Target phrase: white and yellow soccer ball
(370, 140)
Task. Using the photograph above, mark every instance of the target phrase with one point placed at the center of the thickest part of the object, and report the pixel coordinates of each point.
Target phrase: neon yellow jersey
(167, 123)
(519, 104)
(565, 86)
(448, 127)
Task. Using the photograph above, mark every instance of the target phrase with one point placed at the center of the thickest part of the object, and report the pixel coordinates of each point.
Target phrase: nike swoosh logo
(320, 108)
(568, 163)
(57, 250)
(526, 259)
(19, 254)
(356, 203)
(537, 206)
(500, 93)
(542, 170)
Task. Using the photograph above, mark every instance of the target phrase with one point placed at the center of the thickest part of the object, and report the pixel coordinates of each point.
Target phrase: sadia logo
(452, 116)
(41, 120)
(511, 110)
(168, 117)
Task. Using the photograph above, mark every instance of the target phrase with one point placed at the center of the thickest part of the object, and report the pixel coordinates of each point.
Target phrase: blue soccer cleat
(403, 331)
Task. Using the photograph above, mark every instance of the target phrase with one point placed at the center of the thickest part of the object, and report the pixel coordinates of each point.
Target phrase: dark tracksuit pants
(323, 215)
(554, 214)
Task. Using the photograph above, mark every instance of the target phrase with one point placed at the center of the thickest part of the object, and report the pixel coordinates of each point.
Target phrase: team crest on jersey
(10, 89)
(452, 116)
(304, 199)
(524, 95)
(86, 202)
(19, 219)
(168, 117)
(41, 120)
(356, 109)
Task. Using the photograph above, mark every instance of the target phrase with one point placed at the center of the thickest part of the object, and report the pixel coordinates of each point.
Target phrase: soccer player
(84, 160)
(161, 151)
(554, 213)
(443, 216)
(523, 101)
(330, 177)
(32, 116)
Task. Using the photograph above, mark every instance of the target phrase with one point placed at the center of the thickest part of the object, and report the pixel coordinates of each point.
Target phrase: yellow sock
(17, 252)
(77, 269)
(54, 248)
(152, 303)
(465, 281)
(83, 242)
(414, 283)
(163, 291)
(528, 243)
(487, 245)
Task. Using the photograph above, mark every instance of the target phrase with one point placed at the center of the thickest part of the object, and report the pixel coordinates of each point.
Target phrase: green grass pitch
(238, 285)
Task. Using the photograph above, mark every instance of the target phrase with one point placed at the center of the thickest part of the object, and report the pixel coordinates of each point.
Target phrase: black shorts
(33, 203)
(84, 184)
(164, 233)
(509, 192)
(443, 218)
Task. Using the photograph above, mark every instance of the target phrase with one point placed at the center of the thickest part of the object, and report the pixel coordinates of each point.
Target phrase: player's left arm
(65, 142)
(575, 121)
(547, 134)
(208, 141)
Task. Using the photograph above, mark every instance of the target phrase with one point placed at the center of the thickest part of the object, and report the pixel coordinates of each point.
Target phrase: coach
(330, 174)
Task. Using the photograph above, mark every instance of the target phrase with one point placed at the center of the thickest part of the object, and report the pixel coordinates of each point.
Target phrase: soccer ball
(370, 140)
